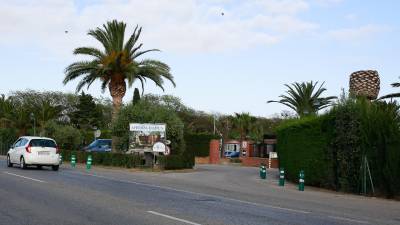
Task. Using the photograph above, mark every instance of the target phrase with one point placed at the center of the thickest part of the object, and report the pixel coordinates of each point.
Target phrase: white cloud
(284, 6)
(172, 25)
(357, 33)
(351, 17)
(328, 2)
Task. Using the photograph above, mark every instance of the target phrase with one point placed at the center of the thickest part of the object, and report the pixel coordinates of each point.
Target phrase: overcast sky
(221, 63)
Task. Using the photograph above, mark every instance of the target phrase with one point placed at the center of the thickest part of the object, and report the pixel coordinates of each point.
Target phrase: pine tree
(87, 114)
(136, 96)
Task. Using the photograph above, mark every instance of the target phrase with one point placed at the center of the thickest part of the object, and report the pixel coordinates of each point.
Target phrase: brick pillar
(214, 152)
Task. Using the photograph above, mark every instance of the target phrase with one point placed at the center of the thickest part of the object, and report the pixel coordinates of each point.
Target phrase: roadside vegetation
(353, 147)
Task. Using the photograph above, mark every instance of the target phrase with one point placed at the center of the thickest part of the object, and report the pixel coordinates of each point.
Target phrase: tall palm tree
(393, 95)
(304, 98)
(243, 123)
(117, 64)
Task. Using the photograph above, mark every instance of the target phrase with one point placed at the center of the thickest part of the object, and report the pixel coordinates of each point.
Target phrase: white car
(35, 151)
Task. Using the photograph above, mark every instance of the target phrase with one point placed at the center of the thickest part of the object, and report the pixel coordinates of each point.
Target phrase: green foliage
(393, 95)
(145, 112)
(305, 145)
(330, 147)
(7, 138)
(199, 144)
(87, 115)
(105, 158)
(67, 137)
(235, 160)
(304, 98)
(243, 123)
(136, 96)
(117, 61)
(176, 162)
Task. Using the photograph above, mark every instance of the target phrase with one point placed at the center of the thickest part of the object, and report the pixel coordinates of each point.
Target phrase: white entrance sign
(147, 127)
(144, 136)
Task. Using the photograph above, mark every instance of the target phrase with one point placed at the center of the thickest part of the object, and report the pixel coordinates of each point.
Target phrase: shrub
(236, 160)
(104, 158)
(67, 137)
(7, 137)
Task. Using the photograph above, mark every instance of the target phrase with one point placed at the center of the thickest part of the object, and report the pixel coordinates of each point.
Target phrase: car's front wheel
(22, 163)
(55, 168)
(9, 164)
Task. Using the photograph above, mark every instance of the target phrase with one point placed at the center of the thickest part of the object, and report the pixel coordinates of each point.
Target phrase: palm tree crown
(304, 98)
(117, 64)
(394, 95)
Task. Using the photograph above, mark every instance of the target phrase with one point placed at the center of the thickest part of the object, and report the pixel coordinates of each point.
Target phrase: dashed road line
(173, 218)
(29, 178)
(348, 219)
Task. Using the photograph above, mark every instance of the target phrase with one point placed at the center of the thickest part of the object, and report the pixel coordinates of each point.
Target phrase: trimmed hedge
(171, 162)
(199, 143)
(305, 145)
(330, 148)
(105, 158)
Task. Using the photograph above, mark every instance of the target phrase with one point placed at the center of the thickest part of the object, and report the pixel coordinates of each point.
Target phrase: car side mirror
(11, 146)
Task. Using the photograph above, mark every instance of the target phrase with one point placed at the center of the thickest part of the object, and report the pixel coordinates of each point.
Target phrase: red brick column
(214, 152)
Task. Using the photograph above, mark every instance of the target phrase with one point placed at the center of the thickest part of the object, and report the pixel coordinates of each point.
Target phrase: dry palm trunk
(365, 83)
(117, 89)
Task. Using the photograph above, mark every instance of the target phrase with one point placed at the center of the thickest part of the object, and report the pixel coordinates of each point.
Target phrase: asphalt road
(208, 195)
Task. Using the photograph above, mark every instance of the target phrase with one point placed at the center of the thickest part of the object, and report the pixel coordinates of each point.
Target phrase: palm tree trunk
(117, 89)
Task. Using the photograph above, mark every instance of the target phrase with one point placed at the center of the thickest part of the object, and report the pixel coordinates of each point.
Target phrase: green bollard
(89, 162)
(282, 177)
(73, 161)
(301, 180)
(263, 172)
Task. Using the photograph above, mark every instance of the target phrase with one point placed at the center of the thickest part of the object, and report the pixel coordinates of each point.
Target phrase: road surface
(208, 195)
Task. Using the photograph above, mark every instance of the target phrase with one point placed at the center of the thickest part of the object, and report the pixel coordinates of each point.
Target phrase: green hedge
(199, 143)
(330, 148)
(105, 158)
(171, 162)
(305, 145)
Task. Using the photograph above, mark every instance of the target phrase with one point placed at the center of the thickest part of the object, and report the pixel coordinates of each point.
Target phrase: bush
(67, 137)
(199, 143)
(172, 162)
(236, 160)
(7, 137)
(104, 158)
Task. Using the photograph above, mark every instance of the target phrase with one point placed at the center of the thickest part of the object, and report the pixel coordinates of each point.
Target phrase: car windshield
(43, 143)
(100, 143)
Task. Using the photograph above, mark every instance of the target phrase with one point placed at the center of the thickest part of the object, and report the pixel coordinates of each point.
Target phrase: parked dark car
(99, 145)
(232, 154)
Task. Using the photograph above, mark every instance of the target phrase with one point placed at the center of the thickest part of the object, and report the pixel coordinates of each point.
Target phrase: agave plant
(393, 95)
(305, 98)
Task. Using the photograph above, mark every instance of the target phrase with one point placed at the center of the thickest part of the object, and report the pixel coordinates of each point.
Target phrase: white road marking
(201, 194)
(173, 218)
(348, 219)
(13, 174)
